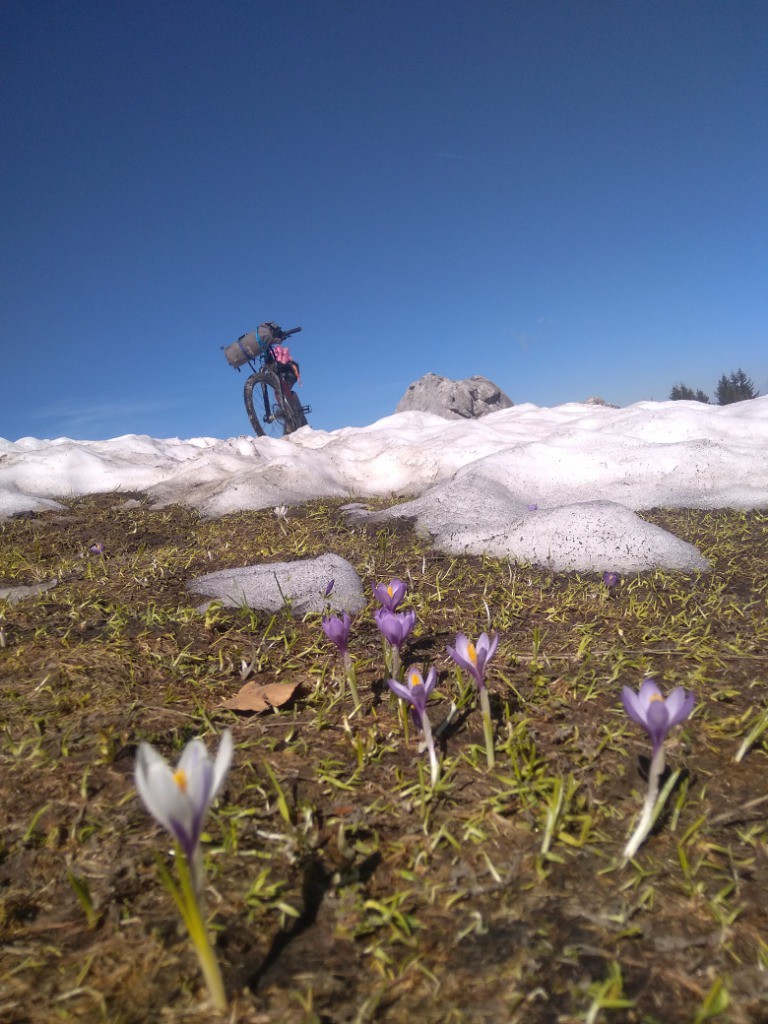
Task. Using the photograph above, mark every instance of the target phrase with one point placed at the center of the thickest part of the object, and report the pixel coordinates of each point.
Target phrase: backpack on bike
(252, 345)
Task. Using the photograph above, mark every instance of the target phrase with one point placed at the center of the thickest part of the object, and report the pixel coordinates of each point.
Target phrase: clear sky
(570, 198)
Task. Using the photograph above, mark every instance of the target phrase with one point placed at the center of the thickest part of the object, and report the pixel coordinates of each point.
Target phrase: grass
(342, 887)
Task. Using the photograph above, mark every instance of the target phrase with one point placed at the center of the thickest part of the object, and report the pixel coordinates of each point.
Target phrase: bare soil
(350, 892)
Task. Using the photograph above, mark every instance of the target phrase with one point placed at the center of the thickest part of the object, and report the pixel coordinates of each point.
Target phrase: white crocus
(179, 799)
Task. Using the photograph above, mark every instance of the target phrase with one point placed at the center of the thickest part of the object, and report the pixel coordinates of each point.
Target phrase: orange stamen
(472, 653)
(180, 778)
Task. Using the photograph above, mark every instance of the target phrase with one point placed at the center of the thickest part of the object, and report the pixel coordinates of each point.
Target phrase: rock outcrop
(454, 399)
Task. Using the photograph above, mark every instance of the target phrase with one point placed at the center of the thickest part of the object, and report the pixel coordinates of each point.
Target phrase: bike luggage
(240, 352)
(250, 346)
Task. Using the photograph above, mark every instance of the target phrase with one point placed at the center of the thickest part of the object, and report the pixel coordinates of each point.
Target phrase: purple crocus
(656, 714)
(611, 579)
(416, 691)
(97, 549)
(329, 588)
(395, 626)
(474, 657)
(390, 595)
(337, 630)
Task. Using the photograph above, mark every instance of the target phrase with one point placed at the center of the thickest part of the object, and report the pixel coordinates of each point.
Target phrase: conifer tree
(735, 388)
(681, 392)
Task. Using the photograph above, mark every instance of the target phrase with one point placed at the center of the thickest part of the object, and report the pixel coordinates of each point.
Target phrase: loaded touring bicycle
(272, 405)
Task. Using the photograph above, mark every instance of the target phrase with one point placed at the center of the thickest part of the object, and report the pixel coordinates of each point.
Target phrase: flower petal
(648, 690)
(162, 796)
(680, 703)
(461, 660)
(396, 591)
(491, 645)
(222, 763)
(632, 706)
(466, 656)
(430, 681)
(404, 692)
(658, 723)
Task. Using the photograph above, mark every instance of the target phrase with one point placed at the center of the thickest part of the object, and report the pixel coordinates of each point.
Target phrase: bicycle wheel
(297, 413)
(271, 413)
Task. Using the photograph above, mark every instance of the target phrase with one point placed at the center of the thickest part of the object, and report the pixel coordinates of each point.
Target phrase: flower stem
(434, 766)
(349, 670)
(485, 707)
(395, 663)
(645, 824)
(193, 919)
(402, 711)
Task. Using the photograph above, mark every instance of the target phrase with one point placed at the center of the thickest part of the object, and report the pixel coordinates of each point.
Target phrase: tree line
(734, 387)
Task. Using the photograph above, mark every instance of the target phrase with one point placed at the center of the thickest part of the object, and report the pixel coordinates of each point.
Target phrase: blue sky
(569, 198)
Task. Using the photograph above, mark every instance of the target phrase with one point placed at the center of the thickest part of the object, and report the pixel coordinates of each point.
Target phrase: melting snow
(587, 468)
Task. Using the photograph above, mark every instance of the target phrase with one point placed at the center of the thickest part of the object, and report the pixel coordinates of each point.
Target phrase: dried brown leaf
(255, 698)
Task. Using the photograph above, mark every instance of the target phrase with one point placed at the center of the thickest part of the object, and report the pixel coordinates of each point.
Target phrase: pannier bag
(250, 346)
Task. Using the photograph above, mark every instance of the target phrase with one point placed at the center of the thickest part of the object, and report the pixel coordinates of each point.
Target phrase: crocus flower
(329, 588)
(657, 716)
(474, 657)
(611, 579)
(416, 691)
(391, 594)
(180, 799)
(337, 630)
(97, 549)
(395, 626)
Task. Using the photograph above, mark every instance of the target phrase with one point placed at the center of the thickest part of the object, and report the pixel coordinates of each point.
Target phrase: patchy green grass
(341, 887)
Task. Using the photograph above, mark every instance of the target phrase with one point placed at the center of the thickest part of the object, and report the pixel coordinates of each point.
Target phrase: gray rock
(597, 400)
(300, 584)
(16, 594)
(454, 399)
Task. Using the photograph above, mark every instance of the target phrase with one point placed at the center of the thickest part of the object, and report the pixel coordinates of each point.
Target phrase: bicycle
(277, 409)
